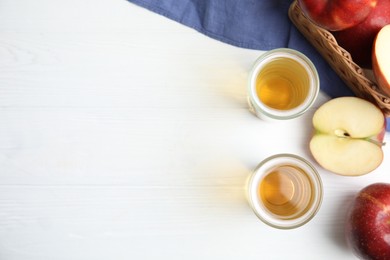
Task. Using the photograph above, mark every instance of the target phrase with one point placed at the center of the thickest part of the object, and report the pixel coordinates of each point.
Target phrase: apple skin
(368, 222)
(358, 40)
(379, 138)
(335, 15)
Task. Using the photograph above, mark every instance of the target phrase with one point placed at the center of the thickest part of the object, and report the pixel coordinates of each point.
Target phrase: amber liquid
(282, 84)
(286, 192)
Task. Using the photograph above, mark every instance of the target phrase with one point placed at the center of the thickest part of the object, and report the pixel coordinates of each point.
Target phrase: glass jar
(283, 84)
(285, 191)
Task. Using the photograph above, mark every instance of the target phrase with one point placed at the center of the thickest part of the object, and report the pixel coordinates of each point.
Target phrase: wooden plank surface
(124, 135)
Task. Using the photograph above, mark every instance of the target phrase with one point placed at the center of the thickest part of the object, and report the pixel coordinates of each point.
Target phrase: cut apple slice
(349, 135)
(381, 59)
(346, 156)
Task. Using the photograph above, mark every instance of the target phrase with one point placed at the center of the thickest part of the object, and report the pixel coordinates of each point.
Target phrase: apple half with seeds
(348, 138)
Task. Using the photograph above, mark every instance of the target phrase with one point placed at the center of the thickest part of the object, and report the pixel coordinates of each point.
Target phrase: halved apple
(381, 59)
(349, 135)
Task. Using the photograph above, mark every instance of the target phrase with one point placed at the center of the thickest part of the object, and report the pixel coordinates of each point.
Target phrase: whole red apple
(358, 40)
(335, 15)
(368, 222)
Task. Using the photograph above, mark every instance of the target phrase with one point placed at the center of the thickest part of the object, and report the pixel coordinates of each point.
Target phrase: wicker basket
(340, 60)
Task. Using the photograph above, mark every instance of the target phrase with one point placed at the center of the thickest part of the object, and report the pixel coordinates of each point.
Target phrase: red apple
(335, 15)
(368, 222)
(358, 40)
(381, 59)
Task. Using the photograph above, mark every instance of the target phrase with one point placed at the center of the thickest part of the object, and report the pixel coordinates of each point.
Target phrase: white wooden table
(124, 135)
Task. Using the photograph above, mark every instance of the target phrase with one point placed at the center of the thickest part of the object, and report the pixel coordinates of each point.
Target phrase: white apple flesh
(381, 59)
(348, 137)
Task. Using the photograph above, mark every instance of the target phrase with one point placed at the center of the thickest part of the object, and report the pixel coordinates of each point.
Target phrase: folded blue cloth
(252, 24)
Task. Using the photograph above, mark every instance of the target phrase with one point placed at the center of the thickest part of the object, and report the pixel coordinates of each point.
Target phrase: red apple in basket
(348, 137)
(368, 222)
(381, 59)
(359, 39)
(335, 15)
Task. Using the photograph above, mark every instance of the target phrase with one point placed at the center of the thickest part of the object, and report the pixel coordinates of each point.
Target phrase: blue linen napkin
(252, 24)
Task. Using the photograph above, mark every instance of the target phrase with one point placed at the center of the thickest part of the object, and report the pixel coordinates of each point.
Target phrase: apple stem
(377, 142)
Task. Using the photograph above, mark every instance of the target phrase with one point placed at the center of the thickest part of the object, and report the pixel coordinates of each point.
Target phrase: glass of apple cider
(283, 84)
(285, 191)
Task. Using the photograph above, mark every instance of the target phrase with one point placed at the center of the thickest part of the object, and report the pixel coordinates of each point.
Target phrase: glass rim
(309, 67)
(254, 181)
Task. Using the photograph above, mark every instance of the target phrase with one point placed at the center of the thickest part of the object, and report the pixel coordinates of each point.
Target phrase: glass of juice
(283, 84)
(285, 191)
